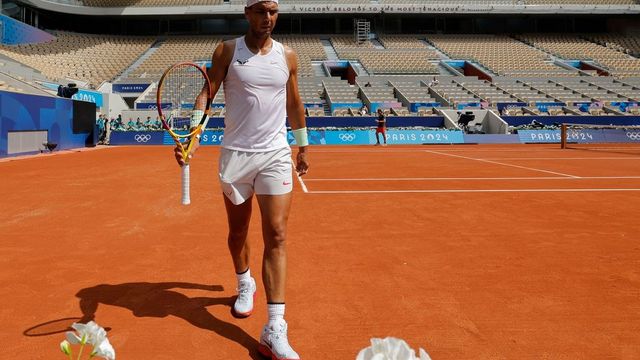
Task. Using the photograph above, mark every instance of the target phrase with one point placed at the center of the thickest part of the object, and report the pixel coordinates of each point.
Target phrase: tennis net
(600, 137)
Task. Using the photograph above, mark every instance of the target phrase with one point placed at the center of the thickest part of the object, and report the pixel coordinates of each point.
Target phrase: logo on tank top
(242, 62)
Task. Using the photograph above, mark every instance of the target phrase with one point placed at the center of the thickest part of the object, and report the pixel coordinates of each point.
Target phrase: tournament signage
(136, 137)
(368, 137)
(82, 94)
(539, 136)
(129, 88)
(580, 136)
(377, 8)
(151, 106)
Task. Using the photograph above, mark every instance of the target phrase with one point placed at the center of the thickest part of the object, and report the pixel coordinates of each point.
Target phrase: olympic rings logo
(347, 137)
(633, 135)
(142, 138)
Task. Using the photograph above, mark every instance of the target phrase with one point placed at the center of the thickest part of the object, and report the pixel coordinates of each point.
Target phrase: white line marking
(304, 187)
(570, 158)
(499, 163)
(464, 191)
(482, 178)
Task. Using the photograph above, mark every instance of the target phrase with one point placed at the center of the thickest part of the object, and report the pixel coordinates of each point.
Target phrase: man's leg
(275, 213)
(238, 217)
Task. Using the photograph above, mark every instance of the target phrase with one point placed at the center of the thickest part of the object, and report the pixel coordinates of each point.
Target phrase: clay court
(470, 252)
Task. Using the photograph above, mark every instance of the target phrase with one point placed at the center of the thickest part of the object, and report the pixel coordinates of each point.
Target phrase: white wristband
(301, 136)
(196, 116)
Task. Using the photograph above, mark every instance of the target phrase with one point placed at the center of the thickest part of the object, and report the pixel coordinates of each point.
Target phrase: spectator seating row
(88, 58)
(502, 55)
(575, 48)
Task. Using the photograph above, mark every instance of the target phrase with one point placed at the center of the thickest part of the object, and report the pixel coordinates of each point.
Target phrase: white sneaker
(274, 343)
(246, 295)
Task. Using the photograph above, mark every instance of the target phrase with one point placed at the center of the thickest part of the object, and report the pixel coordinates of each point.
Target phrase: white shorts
(266, 173)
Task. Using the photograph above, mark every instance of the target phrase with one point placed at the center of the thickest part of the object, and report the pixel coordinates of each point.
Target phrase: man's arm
(217, 72)
(220, 61)
(295, 110)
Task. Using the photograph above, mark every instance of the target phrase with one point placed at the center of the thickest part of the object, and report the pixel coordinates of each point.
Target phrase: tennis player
(381, 128)
(261, 90)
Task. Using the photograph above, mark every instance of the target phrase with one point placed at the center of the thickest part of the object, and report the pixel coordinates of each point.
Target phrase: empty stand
(502, 55)
(405, 56)
(574, 47)
(90, 58)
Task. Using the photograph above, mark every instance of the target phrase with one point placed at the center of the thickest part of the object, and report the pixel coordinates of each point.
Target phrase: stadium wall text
(316, 137)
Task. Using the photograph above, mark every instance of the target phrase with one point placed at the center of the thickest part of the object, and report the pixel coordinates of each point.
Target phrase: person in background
(381, 128)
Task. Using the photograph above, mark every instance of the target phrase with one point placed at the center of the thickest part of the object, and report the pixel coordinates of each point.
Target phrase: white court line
(569, 158)
(481, 178)
(304, 187)
(499, 163)
(466, 191)
(348, 149)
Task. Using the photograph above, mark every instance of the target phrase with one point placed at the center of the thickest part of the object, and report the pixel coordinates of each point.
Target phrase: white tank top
(256, 97)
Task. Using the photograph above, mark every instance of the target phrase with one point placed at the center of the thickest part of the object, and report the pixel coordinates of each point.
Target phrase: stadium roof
(70, 7)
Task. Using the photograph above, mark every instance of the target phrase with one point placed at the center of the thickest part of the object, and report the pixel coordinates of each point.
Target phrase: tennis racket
(184, 98)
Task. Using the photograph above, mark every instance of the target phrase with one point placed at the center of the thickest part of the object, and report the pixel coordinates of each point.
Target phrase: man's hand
(178, 152)
(302, 165)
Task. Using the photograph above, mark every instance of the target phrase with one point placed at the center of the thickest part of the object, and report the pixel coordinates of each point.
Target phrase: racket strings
(181, 87)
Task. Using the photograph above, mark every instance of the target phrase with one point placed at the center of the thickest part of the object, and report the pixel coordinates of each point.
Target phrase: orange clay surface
(470, 252)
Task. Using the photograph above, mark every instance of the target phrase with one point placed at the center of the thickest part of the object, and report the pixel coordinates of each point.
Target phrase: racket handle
(186, 199)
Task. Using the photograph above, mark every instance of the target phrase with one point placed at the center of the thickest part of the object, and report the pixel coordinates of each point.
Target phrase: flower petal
(424, 355)
(73, 338)
(65, 347)
(105, 350)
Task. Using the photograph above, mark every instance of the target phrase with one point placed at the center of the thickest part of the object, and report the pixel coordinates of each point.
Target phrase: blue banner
(209, 137)
(421, 137)
(152, 106)
(462, 106)
(580, 136)
(212, 137)
(82, 94)
(413, 107)
(368, 137)
(503, 105)
(603, 136)
(129, 88)
(136, 138)
(543, 106)
(539, 136)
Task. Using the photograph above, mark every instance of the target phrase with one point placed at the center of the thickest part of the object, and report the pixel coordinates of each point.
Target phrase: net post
(563, 136)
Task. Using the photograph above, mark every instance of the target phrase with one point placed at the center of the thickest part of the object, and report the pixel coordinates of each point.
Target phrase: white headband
(253, 2)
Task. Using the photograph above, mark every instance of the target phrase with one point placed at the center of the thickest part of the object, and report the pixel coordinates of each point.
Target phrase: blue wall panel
(32, 112)
(16, 32)
(550, 120)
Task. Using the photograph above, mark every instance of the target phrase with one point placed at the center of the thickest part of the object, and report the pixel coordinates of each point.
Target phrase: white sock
(244, 276)
(276, 312)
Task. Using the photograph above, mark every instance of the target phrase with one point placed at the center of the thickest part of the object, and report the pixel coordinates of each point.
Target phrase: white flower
(92, 334)
(390, 348)
(105, 350)
(89, 333)
(65, 347)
